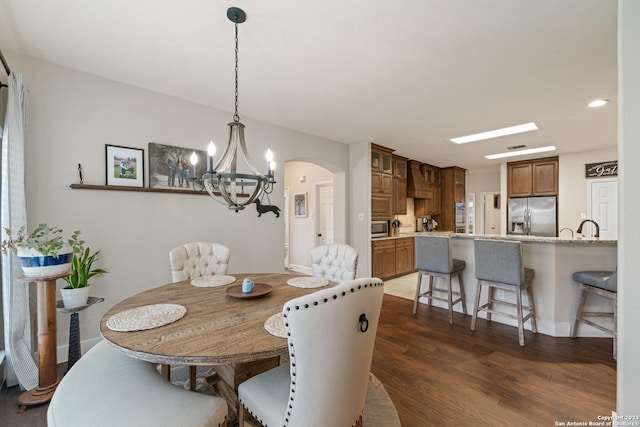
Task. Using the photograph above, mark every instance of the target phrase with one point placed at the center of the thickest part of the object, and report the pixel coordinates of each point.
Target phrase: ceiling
(406, 74)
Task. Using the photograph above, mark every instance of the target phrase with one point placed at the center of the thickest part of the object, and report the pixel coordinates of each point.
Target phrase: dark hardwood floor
(437, 374)
(441, 375)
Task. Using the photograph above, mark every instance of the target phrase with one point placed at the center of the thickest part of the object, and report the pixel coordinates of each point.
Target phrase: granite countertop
(532, 239)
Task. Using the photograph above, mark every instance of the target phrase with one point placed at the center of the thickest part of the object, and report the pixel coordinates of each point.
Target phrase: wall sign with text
(597, 170)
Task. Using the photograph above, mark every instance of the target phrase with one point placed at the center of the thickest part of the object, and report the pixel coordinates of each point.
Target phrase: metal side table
(74, 328)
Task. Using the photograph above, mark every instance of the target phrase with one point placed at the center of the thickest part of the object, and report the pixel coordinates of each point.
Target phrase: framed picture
(124, 166)
(300, 205)
(171, 167)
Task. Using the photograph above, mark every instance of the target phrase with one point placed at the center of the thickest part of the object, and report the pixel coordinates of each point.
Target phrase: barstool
(601, 283)
(499, 265)
(433, 259)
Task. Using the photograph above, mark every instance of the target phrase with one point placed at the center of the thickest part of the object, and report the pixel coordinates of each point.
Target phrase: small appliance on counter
(425, 224)
(379, 229)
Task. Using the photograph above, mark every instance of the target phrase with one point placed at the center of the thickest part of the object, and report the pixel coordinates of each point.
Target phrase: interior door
(324, 214)
(491, 213)
(603, 207)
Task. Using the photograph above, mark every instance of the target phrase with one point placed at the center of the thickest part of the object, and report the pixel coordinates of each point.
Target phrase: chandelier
(224, 180)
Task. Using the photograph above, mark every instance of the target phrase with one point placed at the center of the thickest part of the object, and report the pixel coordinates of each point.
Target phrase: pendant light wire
(236, 117)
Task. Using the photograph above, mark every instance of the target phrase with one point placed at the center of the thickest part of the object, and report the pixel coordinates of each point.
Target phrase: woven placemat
(145, 317)
(275, 326)
(212, 281)
(308, 282)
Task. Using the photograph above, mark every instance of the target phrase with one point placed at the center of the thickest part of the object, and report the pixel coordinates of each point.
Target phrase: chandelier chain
(236, 117)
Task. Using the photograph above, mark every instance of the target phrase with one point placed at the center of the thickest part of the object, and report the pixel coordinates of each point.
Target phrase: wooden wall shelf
(138, 189)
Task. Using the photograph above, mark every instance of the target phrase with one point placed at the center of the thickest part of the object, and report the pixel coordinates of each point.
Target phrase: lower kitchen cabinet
(405, 255)
(392, 257)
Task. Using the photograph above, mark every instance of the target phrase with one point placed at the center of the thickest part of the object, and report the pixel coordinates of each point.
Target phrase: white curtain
(21, 368)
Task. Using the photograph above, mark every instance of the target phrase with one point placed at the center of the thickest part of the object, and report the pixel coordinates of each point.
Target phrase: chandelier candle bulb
(211, 150)
(194, 161)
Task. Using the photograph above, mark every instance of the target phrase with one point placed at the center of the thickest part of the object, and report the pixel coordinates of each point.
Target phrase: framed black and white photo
(171, 167)
(300, 205)
(124, 166)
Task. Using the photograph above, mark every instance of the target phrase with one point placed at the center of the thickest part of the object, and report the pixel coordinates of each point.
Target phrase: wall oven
(379, 229)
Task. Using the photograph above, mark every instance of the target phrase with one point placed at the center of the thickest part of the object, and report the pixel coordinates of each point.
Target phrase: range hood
(416, 184)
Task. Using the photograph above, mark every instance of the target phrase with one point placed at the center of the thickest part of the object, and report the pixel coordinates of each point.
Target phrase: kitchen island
(554, 261)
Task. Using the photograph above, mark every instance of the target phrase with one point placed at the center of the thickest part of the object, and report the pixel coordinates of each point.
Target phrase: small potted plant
(77, 291)
(42, 252)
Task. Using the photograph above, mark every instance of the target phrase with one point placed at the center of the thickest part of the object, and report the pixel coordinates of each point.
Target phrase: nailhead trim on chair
(293, 355)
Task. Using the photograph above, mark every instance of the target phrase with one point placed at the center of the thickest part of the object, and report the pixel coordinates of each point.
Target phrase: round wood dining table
(217, 329)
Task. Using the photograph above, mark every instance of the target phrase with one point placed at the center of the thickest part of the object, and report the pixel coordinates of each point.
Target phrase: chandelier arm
(243, 147)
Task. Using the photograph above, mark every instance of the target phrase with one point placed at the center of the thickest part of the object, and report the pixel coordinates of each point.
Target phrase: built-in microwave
(379, 228)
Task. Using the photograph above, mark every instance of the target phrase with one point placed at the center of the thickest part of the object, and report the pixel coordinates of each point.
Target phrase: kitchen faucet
(566, 228)
(579, 230)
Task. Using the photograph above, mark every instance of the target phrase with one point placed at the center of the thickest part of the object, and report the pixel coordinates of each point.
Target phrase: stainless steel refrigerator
(535, 216)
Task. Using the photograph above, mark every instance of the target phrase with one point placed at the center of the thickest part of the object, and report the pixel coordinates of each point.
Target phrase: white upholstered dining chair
(331, 334)
(336, 262)
(197, 259)
(193, 260)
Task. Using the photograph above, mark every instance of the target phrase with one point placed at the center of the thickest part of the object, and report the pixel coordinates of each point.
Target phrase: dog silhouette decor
(266, 208)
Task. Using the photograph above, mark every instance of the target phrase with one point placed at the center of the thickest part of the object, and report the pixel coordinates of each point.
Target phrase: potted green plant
(77, 291)
(41, 252)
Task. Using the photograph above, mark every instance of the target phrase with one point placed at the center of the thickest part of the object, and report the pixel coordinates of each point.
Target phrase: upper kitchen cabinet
(381, 182)
(430, 205)
(451, 216)
(399, 205)
(533, 177)
(381, 159)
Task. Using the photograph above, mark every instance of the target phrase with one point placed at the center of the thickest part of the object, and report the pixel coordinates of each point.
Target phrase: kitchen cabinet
(383, 258)
(431, 204)
(533, 177)
(392, 257)
(453, 199)
(381, 182)
(405, 255)
(399, 205)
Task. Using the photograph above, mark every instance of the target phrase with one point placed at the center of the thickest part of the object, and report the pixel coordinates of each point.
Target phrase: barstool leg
(490, 303)
(450, 297)
(520, 322)
(430, 291)
(572, 332)
(476, 304)
(463, 300)
(532, 306)
(418, 286)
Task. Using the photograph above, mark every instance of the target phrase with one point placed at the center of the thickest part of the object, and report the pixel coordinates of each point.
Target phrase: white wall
(572, 184)
(73, 116)
(628, 392)
(360, 206)
(302, 229)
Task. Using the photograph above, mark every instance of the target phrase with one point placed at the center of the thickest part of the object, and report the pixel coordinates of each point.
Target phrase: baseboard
(301, 269)
(3, 369)
(62, 352)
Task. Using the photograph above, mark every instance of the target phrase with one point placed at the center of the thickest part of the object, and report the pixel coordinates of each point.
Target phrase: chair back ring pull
(364, 323)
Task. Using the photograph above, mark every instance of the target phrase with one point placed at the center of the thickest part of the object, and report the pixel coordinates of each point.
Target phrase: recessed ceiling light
(598, 103)
(520, 152)
(527, 127)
